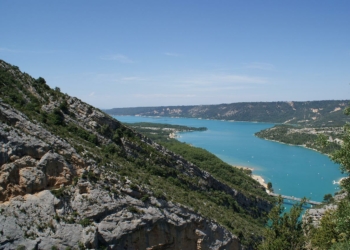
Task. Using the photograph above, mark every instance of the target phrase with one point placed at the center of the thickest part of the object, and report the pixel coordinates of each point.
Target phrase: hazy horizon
(163, 53)
(216, 104)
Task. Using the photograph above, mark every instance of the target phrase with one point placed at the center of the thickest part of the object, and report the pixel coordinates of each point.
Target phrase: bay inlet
(292, 170)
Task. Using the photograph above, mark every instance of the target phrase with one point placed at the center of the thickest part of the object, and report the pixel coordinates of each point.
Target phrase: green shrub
(159, 195)
(134, 187)
(133, 209)
(341, 246)
(145, 198)
(56, 117)
(64, 107)
(85, 222)
(90, 175)
(57, 217)
(105, 130)
(58, 193)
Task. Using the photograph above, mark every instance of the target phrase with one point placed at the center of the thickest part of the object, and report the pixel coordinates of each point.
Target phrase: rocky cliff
(73, 177)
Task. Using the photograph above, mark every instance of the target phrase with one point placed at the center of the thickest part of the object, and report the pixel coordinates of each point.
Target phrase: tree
(342, 157)
(334, 229)
(56, 117)
(64, 107)
(322, 141)
(269, 186)
(284, 231)
(327, 198)
(41, 81)
(325, 235)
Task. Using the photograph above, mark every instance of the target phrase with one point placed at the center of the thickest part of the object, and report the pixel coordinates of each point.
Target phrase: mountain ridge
(309, 113)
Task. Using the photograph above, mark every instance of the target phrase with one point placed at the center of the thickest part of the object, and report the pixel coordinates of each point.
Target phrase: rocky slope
(73, 177)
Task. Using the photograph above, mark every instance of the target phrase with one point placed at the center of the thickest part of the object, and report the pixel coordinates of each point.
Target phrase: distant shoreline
(297, 145)
(258, 178)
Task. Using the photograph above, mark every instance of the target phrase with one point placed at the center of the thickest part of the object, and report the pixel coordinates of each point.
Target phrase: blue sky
(153, 53)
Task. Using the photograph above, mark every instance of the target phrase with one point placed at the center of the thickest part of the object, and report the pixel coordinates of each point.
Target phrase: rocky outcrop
(93, 117)
(93, 217)
(313, 216)
(28, 162)
(21, 136)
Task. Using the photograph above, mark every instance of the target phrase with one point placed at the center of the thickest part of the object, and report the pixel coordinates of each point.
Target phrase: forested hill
(313, 113)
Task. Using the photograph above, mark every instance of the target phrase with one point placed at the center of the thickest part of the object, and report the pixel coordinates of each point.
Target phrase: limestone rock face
(28, 163)
(167, 228)
(98, 219)
(314, 215)
(89, 115)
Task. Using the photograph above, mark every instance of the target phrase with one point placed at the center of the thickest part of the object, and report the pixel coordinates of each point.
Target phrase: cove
(292, 170)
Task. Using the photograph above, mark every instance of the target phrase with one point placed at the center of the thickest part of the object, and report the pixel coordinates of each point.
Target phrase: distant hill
(310, 113)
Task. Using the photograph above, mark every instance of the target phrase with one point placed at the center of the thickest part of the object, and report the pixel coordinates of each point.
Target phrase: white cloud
(161, 95)
(2, 49)
(118, 57)
(9, 50)
(225, 79)
(239, 79)
(172, 54)
(259, 65)
(132, 78)
(174, 88)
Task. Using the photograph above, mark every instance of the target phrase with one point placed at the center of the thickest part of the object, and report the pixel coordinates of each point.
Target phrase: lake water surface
(292, 170)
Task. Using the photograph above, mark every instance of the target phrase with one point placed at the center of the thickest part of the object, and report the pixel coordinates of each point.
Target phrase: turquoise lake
(292, 170)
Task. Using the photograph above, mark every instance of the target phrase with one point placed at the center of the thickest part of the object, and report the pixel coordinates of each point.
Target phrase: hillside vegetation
(308, 137)
(201, 157)
(72, 176)
(322, 227)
